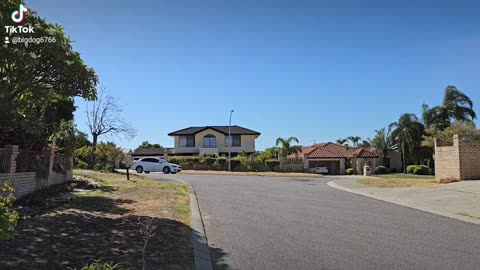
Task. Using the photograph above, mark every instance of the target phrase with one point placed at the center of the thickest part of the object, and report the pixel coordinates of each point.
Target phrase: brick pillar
(13, 150)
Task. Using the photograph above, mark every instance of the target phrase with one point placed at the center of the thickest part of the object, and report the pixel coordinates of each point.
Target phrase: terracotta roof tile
(333, 150)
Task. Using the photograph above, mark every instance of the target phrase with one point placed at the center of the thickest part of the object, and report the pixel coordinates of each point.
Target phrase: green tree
(354, 140)
(384, 142)
(268, 153)
(107, 154)
(342, 141)
(456, 106)
(38, 82)
(147, 144)
(408, 133)
(365, 143)
(286, 147)
(466, 130)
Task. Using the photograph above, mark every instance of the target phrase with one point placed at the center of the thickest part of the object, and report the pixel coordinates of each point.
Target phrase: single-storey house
(213, 141)
(337, 158)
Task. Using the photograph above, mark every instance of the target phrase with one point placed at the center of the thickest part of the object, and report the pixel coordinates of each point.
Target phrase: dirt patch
(103, 224)
(397, 182)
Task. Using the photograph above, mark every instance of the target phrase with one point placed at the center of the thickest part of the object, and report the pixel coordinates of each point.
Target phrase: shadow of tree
(84, 233)
(101, 204)
(220, 259)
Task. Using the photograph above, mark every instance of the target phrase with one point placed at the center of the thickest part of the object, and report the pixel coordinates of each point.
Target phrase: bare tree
(104, 117)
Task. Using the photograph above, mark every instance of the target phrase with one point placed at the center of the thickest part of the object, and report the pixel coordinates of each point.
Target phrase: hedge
(419, 170)
(349, 171)
(380, 170)
(272, 164)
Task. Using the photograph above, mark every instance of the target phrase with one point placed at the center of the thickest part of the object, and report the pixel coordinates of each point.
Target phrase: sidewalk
(459, 200)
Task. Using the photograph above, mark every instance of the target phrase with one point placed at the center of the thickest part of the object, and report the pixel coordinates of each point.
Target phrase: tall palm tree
(456, 106)
(408, 132)
(354, 140)
(366, 143)
(384, 142)
(286, 147)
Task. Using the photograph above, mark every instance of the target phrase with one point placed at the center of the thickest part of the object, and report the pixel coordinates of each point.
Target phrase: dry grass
(398, 182)
(279, 174)
(103, 224)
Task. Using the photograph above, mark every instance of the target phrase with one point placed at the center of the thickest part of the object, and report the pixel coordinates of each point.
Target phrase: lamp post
(230, 142)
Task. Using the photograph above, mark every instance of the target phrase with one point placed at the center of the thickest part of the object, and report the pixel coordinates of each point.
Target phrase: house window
(236, 140)
(209, 141)
(187, 141)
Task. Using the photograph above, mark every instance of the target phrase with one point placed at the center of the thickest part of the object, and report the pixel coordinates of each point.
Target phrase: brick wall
(28, 182)
(460, 161)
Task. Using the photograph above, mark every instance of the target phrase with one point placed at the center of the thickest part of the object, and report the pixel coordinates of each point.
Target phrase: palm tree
(384, 142)
(408, 133)
(456, 106)
(354, 140)
(341, 141)
(286, 147)
(366, 143)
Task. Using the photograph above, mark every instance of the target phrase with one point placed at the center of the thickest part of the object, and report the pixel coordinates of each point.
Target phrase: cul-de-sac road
(255, 222)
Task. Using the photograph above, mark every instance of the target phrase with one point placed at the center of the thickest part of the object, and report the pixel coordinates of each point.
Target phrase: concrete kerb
(201, 251)
(332, 184)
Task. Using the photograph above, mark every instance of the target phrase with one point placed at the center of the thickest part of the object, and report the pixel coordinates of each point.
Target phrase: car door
(161, 164)
(147, 164)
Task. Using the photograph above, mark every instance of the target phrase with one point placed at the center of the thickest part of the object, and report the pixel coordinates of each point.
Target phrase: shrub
(234, 163)
(380, 170)
(421, 170)
(81, 165)
(272, 164)
(431, 164)
(99, 265)
(411, 168)
(8, 216)
(208, 160)
(222, 161)
(349, 171)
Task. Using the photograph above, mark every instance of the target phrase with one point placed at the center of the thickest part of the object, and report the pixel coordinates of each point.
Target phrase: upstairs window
(236, 141)
(209, 141)
(187, 141)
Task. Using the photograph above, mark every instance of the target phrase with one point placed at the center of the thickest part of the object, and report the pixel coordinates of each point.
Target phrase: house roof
(235, 130)
(333, 150)
(148, 152)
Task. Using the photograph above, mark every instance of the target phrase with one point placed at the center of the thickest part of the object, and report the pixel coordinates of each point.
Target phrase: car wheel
(166, 170)
(139, 169)
(147, 171)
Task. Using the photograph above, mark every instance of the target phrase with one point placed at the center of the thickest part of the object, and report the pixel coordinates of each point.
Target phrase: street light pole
(230, 143)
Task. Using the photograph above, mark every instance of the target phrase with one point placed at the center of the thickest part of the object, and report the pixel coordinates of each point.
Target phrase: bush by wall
(8, 216)
(422, 170)
(81, 165)
(272, 164)
(349, 171)
(411, 168)
(381, 170)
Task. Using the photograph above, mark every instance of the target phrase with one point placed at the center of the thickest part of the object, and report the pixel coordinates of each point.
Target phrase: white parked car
(155, 165)
(321, 170)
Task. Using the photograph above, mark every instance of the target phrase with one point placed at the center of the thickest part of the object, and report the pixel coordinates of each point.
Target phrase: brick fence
(26, 179)
(460, 160)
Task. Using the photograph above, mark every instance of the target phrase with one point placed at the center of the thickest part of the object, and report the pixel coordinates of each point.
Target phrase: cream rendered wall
(247, 143)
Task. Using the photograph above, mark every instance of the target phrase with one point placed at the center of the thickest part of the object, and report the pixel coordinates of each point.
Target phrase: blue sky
(311, 69)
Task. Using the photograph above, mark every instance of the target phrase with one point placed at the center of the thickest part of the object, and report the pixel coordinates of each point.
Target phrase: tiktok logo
(19, 15)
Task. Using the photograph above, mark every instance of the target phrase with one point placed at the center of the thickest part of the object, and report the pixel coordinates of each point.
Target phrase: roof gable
(234, 130)
(333, 150)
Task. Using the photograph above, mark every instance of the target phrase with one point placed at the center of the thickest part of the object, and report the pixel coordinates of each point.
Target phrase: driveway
(301, 223)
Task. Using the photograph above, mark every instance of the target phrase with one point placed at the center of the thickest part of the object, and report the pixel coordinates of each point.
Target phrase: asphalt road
(302, 223)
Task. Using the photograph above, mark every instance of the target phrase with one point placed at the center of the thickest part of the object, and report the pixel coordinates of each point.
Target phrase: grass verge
(279, 174)
(392, 182)
(104, 224)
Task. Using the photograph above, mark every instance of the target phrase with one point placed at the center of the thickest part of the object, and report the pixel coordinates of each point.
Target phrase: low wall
(460, 161)
(27, 182)
(56, 170)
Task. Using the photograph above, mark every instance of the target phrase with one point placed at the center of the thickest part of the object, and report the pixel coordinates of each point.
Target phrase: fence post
(13, 150)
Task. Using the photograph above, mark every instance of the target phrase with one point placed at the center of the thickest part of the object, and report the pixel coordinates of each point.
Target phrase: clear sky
(316, 70)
